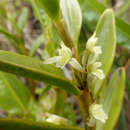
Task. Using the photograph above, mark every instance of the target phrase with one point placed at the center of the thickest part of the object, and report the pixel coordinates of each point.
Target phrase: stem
(85, 101)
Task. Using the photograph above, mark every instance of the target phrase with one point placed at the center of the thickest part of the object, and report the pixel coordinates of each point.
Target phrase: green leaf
(14, 95)
(12, 20)
(61, 98)
(106, 34)
(37, 12)
(36, 44)
(121, 25)
(73, 18)
(23, 19)
(112, 100)
(34, 68)
(123, 119)
(10, 36)
(13, 124)
(51, 7)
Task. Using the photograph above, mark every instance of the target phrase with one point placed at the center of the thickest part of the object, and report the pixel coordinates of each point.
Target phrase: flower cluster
(97, 113)
(65, 57)
(92, 48)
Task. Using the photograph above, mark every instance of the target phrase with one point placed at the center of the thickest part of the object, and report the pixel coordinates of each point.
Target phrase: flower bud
(97, 112)
(91, 43)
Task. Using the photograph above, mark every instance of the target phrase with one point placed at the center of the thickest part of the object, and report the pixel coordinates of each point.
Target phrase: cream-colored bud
(99, 74)
(75, 64)
(57, 120)
(91, 43)
(96, 111)
(97, 50)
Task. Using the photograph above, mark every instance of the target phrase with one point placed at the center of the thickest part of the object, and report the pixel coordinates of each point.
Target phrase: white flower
(96, 111)
(97, 50)
(75, 64)
(99, 74)
(91, 43)
(92, 47)
(57, 120)
(96, 65)
(94, 69)
(65, 57)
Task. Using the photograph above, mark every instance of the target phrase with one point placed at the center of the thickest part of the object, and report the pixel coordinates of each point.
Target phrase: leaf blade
(34, 68)
(14, 96)
(23, 19)
(121, 25)
(73, 18)
(11, 124)
(51, 7)
(113, 99)
(106, 33)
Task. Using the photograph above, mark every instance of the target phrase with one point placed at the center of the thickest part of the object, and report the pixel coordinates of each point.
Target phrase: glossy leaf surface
(14, 95)
(106, 34)
(112, 99)
(73, 18)
(121, 25)
(51, 7)
(12, 124)
(34, 68)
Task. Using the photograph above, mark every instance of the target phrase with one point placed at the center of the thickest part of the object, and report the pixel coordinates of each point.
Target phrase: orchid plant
(99, 97)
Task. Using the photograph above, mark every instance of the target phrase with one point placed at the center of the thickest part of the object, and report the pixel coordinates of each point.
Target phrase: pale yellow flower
(91, 43)
(96, 111)
(65, 57)
(96, 71)
(92, 47)
(54, 119)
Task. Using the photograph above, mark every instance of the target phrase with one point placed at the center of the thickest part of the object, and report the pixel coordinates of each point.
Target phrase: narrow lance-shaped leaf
(112, 99)
(14, 95)
(36, 44)
(13, 124)
(106, 34)
(51, 7)
(34, 68)
(73, 18)
(9, 36)
(122, 26)
(37, 12)
(23, 19)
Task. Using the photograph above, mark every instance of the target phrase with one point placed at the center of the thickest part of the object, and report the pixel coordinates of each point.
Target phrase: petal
(62, 61)
(97, 50)
(99, 74)
(65, 51)
(96, 65)
(91, 42)
(75, 64)
(51, 60)
(57, 120)
(98, 113)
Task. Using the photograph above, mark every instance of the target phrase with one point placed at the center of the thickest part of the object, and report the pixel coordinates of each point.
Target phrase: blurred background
(22, 32)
